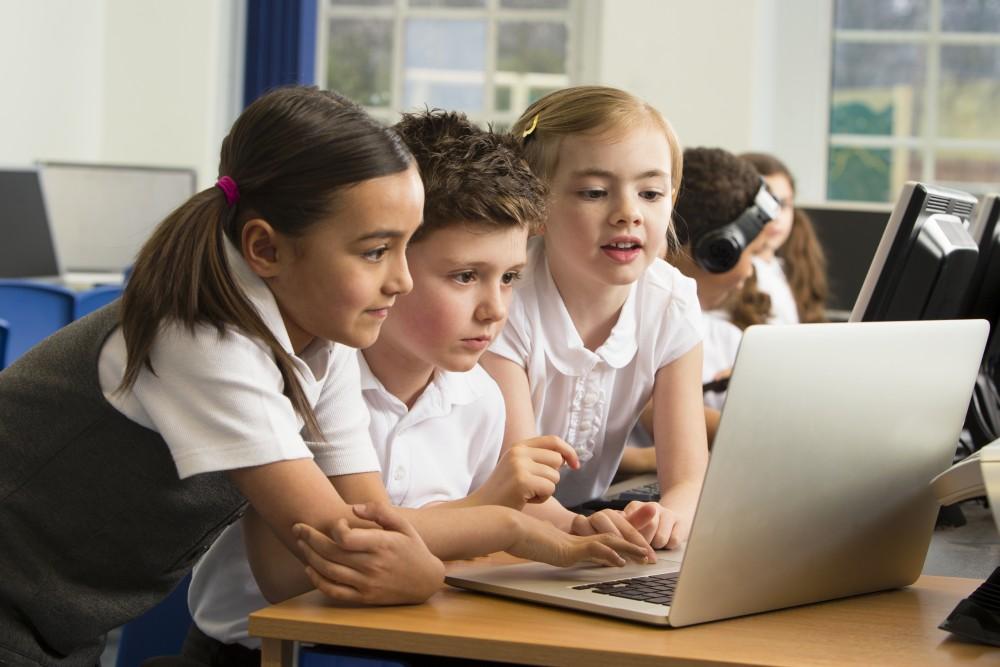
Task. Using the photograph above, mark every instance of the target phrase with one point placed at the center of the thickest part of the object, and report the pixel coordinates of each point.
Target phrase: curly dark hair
(470, 175)
(716, 187)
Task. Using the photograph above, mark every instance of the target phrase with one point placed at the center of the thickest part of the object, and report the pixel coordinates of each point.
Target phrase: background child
(600, 324)
(716, 189)
(437, 418)
(790, 266)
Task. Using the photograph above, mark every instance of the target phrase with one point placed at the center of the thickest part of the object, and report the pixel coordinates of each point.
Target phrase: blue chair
(160, 631)
(94, 298)
(4, 331)
(34, 311)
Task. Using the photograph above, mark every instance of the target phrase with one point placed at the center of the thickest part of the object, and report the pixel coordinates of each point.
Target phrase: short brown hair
(717, 187)
(470, 175)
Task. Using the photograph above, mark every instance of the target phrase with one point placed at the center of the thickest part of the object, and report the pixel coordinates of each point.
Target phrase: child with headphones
(722, 207)
(600, 324)
(789, 284)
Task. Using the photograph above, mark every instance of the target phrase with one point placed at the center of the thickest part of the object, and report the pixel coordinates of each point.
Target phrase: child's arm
(680, 443)
(287, 493)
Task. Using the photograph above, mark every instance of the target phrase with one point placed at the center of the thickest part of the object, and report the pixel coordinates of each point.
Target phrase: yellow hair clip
(531, 128)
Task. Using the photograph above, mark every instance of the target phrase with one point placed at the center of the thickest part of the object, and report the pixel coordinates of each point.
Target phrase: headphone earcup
(719, 250)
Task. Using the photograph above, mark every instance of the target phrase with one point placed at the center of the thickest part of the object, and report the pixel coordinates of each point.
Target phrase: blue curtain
(280, 45)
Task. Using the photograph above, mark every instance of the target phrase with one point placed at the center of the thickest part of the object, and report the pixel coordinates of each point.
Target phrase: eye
(464, 277)
(510, 277)
(376, 254)
(651, 195)
(592, 193)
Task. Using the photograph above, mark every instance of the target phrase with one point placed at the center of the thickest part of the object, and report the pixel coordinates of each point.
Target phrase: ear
(260, 247)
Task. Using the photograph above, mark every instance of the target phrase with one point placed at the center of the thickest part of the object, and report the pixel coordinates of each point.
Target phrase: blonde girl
(600, 324)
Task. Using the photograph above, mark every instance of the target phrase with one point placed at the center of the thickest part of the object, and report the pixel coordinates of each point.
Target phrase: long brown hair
(805, 262)
(290, 152)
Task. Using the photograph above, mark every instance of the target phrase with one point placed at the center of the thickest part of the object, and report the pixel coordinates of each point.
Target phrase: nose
(627, 212)
(493, 305)
(398, 281)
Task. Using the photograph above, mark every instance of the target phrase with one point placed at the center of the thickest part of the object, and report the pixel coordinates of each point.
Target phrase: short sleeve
(512, 343)
(684, 319)
(344, 419)
(217, 401)
(494, 421)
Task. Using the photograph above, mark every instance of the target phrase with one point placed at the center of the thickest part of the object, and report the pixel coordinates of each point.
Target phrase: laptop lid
(102, 214)
(818, 483)
(27, 249)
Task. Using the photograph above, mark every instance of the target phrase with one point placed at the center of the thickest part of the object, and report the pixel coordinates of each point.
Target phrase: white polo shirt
(771, 280)
(721, 341)
(217, 401)
(441, 449)
(593, 399)
(446, 445)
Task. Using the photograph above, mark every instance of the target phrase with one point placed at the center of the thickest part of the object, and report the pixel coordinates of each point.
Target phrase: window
(915, 95)
(488, 58)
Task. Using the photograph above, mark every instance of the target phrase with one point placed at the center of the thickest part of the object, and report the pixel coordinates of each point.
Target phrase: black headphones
(718, 250)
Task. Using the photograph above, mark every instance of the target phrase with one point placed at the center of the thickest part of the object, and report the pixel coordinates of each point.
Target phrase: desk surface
(895, 627)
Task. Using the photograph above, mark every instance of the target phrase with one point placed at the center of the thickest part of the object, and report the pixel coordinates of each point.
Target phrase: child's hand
(663, 527)
(527, 473)
(613, 522)
(391, 565)
(541, 541)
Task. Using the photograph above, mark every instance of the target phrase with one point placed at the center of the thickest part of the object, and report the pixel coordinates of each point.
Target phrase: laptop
(817, 486)
(29, 250)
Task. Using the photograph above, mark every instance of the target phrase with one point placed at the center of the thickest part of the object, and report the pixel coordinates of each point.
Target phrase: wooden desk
(891, 628)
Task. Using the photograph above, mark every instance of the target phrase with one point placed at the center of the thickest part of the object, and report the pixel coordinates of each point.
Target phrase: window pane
(362, 3)
(359, 60)
(969, 93)
(531, 61)
(970, 16)
(534, 4)
(967, 166)
(870, 174)
(881, 15)
(445, 62)
(447, 3)
(877, 89)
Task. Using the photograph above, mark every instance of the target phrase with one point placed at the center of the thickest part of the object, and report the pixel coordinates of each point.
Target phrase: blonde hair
(587, 109)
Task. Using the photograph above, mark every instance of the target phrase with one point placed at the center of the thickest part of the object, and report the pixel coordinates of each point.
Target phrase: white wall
(51, 56)
(120, 81)
(737, 74)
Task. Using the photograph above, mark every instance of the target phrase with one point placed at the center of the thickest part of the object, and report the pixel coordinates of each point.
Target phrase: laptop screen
(102, 214)
(27, 250)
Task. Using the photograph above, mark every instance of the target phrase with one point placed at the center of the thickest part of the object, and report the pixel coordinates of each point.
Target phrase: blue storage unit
(33, 311)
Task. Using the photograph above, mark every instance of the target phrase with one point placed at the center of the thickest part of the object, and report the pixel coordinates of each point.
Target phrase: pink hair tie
(228, 187)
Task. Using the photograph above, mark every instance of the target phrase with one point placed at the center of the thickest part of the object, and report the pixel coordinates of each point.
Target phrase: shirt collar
(445, 390)
(565, 347)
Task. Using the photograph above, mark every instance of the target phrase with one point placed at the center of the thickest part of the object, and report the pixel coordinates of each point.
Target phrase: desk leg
(276, 653)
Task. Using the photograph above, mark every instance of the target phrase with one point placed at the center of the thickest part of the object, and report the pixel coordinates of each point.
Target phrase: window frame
(573, 17)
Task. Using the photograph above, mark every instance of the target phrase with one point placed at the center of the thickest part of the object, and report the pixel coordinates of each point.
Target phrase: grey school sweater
(95, 526)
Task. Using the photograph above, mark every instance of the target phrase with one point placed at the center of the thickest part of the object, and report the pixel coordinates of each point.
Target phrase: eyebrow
(452, 261)
(604, 173)
(381, 234)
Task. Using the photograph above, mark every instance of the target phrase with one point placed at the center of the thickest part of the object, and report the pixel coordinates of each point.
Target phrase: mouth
(477, 342)
(380, 312)
(622, 250)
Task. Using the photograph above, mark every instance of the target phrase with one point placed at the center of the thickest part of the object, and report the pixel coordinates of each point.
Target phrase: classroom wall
(739, 74)
(120, 81)
(144, 81)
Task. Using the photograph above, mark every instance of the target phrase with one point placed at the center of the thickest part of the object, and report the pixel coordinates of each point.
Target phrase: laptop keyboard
(656, 589)
(646, 493)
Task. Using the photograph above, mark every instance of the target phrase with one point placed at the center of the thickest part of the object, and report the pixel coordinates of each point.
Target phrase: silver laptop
(818, 484)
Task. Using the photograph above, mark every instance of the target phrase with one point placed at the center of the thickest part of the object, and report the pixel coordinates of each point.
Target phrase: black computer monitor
(982, 301)
(27, 250)
(849, 234)
(925, 261)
